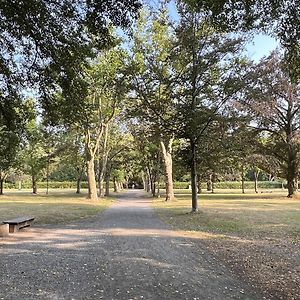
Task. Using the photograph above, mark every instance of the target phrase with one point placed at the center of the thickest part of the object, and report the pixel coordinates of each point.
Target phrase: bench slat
(17, 221)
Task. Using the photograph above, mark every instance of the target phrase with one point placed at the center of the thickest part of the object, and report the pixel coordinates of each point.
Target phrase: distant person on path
(133, 185)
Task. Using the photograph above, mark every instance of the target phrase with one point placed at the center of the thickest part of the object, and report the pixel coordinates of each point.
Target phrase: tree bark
(92, 192)
(78, 185)
(47, 188)
(1, 185)
(90, 152)
(292, 174)
(103, 163)
(209, 183)
(2, 177)
(79, 179)
(167, 158)
(243, 180)
(116, 190)
(107, 178)
(256, 173)
(34, 186)
(194, 177)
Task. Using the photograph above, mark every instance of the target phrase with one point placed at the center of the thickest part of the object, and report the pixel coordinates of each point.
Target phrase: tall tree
(207, 69)
(278, 18)
(273, 100)
(107, 88)
(152, 80)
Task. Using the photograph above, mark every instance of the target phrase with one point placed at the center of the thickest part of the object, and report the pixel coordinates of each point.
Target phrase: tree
(146, 142)
(48, 42)
(106, 80)
(33, 154)
(46, 45)
(14, 117)
(274, 103)
(152, 80)
(279, 18)
(208, 77)
(117, 146)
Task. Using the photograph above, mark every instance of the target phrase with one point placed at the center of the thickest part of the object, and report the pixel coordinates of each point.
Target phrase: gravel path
(124, 253)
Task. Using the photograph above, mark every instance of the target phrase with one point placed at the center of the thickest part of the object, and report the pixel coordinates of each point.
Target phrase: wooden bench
(18, 223)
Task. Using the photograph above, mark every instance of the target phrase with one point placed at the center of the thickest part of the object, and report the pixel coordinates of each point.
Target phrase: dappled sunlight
(54, 236)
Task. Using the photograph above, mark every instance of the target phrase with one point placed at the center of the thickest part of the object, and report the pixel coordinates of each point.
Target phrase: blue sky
(260, 46)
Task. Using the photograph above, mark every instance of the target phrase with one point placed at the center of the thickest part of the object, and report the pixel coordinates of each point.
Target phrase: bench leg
(13, 228)
(4, 229)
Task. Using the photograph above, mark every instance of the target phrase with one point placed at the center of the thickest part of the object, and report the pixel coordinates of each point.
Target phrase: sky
(261, 45)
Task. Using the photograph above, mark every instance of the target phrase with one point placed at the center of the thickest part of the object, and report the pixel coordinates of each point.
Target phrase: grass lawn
(256, 235)
(229, 212)
(59, 206)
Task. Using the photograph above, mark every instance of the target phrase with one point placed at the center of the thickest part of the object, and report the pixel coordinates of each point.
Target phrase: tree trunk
(209, 183)
(256, 173)
(147, 182)
(34, 186)
(213, 180)
(103, 163)
(1, 182)
(107, 178)
(78, 185)
(115, 185)
(47, 187)
(92, 187)
(79, 178)
(1, 185)
(292, 174)
(167, 158)
(194, 177)
(243, 180)
(126, 182)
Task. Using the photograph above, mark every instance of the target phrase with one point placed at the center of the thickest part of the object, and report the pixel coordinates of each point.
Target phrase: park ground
(256, 236)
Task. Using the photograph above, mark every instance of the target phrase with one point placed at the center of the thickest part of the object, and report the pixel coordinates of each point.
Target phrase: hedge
(233, 185)
(177, 185)
(52, 185)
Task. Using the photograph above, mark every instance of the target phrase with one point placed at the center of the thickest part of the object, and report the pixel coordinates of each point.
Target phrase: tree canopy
(278, 18)
(48, 42)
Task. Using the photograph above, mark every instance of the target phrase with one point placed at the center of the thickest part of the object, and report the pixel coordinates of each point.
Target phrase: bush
(52, 185)
(232, 185)
(248, 185)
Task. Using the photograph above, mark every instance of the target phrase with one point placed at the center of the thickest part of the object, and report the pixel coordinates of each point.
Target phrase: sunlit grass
(228, 211)
(59, 206)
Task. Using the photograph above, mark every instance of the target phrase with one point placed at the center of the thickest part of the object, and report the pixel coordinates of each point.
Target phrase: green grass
(230, 212)
(59, 206)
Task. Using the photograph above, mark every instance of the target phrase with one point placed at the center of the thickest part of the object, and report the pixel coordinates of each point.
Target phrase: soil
(127, 252)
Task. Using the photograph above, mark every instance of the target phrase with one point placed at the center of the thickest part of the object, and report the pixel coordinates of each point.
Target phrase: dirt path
(124, 253)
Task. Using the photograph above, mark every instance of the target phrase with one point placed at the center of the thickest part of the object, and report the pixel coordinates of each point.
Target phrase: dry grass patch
(257, 235)
(60, 206)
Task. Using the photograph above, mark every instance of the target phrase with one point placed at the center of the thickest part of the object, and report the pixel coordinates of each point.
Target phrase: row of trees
(191, 82)
(120, 109)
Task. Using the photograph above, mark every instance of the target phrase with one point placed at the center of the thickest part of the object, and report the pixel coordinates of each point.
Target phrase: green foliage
(234, 185)
(52, 185)
(279, 18)
(248, 185)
